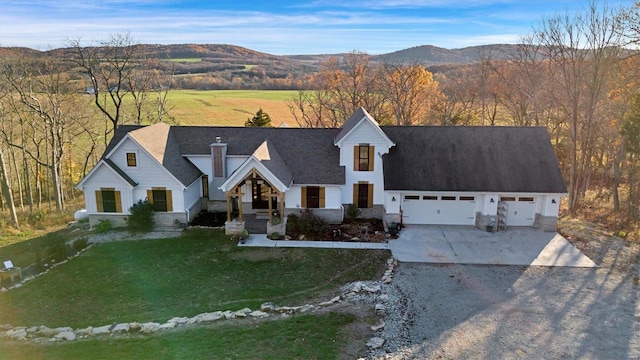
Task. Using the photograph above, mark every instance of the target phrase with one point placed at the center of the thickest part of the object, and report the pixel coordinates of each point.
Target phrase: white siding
(550, 205)
(332, 196)
(363, 133)
(148, 174)
(234, 162)
(193, 193)
(203, 163)
(105, 177)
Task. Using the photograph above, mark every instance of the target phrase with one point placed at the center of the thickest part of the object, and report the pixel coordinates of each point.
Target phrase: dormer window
(131, 159)
(363, 157)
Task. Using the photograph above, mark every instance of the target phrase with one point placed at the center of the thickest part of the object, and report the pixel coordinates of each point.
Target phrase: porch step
(262, 215)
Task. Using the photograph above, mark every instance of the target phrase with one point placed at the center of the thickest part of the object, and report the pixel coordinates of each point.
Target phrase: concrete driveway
(470, 245)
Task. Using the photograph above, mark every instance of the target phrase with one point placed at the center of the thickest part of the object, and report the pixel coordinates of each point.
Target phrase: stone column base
(234, 228)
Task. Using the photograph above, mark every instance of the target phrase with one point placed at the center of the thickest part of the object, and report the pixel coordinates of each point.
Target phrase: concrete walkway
(258, 240)
(460, 245)
(469, 245)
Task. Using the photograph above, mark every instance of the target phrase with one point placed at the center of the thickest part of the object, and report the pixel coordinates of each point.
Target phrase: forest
(575, 74)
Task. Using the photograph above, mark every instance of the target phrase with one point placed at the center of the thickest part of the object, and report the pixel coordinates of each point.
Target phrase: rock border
(350, 292)
(24, 280)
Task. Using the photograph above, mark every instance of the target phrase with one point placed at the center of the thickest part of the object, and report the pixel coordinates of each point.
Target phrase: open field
(229, 107)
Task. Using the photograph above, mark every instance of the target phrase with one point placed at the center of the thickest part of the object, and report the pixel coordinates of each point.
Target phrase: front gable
(103, 175)
(147, 169)
(362, 128)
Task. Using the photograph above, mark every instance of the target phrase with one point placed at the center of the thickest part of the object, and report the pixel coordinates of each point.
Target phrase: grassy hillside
(229, 107)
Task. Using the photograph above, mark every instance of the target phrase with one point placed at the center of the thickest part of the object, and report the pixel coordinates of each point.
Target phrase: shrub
(292, 224)
(313, 226)
(352, 211)
(56, 248)
(274, 236)
(103, 226)
(80, 244)
(141, 218)
(36, 217)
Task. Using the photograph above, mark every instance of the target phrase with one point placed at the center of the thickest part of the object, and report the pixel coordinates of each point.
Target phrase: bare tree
(113, 71)
(581, 49)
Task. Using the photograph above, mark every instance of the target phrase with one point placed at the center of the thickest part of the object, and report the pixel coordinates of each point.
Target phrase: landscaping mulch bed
(364, 230)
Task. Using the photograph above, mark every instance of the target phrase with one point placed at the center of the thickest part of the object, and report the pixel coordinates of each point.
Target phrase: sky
(280, 27)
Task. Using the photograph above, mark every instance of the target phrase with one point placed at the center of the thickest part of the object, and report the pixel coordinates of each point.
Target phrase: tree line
(574, 74)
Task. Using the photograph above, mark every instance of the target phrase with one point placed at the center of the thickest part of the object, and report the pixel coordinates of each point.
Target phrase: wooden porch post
(228, 206)
(239, 194)
(281, 205)
(270, 205)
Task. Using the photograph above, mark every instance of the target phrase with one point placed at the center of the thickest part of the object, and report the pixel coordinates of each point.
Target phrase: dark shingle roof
(351, 122)
(492, 159)
(504, 159)
(120, 172)
(269, 156)
(118, 135)
(309, 154)
(159, 142)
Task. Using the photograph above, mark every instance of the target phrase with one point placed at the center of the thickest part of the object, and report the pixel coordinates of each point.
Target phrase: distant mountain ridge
(424, 54)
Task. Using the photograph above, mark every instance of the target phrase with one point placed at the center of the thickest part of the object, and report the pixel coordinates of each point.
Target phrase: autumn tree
(410, 91)
(343, 85)
(631, 134)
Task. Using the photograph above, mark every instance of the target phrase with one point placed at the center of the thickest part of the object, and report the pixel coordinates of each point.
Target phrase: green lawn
(300, 337)
(202, 271)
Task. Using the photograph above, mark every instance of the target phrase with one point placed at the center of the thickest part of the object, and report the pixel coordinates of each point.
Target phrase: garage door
(438, 209)
(520, 210)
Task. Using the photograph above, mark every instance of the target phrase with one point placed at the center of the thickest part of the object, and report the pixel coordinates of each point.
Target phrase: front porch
(264, 208)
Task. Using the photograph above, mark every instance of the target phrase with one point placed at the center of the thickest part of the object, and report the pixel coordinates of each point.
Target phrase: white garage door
(520, 210)
(438, 209)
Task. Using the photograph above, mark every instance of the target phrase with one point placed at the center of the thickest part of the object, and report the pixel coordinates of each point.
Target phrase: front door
(260, 196)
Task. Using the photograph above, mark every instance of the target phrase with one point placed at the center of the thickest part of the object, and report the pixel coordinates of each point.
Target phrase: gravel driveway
(511, 312)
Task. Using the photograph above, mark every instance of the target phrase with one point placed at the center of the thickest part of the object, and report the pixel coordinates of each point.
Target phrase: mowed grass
(229, 107)
(202, 271)
(300, 337)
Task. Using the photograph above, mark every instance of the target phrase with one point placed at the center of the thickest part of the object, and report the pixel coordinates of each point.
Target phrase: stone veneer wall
(115, 219)
(546, 223)
(280, 228)
(482, 220)
(376, 212)
(234, 228)
(216, 206)
(159, 219)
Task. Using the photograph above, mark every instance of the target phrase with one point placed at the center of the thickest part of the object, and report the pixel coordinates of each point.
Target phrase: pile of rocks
(382, 296)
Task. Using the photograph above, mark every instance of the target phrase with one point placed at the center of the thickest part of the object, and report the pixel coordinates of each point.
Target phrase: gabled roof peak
(358, 116)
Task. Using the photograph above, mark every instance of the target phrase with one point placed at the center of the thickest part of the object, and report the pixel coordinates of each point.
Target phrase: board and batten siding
(363, 133)
(105, 177)
(192, 196)
(148, 174)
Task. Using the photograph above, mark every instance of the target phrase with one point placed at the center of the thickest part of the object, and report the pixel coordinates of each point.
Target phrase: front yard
(202, 271)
